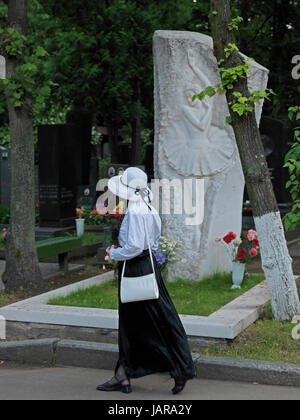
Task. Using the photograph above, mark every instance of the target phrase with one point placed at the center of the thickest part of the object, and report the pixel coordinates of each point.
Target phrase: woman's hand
(108, 252)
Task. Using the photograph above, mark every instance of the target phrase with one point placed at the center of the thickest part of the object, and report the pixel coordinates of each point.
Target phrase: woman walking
(151, 336)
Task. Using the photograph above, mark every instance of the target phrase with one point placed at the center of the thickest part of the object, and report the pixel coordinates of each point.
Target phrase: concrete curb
(85, 354)
(244, 370)
(29, 351)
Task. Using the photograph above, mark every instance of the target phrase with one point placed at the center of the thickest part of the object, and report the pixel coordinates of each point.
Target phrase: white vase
(238, 271)
(80, 227)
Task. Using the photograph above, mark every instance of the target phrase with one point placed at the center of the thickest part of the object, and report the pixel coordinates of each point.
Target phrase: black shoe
(126, 389)
(179, 385)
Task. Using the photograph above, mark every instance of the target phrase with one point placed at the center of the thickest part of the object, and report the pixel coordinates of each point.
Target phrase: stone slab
(194, 146)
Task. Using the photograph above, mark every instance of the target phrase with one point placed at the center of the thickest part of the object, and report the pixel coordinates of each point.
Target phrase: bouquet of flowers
(80, 213)
(241, 249)
(167, 252)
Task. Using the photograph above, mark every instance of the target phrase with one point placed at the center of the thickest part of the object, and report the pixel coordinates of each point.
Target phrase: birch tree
(276, 261)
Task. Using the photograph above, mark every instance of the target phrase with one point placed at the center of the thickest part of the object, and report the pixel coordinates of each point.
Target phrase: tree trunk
(22, 268)
(112, 142)
(276, 261)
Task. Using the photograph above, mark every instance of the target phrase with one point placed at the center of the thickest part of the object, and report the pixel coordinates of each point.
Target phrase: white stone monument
(193, 141)
(2, 68)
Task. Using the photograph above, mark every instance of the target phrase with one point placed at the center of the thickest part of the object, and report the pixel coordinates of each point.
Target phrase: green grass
(4, 300)
(267, 339)
(87, 238)
(191, 298)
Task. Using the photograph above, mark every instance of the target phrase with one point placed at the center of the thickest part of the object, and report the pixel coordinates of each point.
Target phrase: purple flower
(160, 257)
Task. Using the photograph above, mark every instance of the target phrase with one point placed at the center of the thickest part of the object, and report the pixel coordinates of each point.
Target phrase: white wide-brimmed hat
(132, 185)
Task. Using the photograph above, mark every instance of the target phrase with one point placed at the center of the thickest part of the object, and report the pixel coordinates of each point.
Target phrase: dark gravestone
(83, 121)
(59, 173)
(275, 137)
(5, 177)
(86, 196)
(36, 183)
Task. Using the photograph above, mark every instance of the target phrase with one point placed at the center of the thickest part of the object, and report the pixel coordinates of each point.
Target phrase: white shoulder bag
(135, 289)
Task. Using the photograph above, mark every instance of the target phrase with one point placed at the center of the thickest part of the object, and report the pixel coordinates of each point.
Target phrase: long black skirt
(152, 338)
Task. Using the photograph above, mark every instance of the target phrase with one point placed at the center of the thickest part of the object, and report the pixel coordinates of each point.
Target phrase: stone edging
(226, 323)
(55, 352)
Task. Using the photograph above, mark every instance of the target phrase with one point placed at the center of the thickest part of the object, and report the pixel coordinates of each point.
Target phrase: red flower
(255, 242)
(246, 236)
(253, 252)
(241, 254)
(229, 237)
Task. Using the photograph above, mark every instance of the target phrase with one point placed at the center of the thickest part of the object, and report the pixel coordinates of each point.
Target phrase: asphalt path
(20, 382)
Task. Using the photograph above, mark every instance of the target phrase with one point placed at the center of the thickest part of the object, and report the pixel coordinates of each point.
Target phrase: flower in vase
(252, 234)
(80, 213)
(229, 237)
(241, 255)
(237, 242)
(253, 252)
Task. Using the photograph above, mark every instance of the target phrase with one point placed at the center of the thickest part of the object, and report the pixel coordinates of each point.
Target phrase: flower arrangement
(99, 215)
(80, 213)
(241, 249)
(167, 252)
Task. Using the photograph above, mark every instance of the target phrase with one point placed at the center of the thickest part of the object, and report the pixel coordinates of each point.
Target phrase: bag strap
(149, 246)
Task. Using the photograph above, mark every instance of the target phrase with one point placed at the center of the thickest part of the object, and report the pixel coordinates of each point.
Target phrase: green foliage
(234, 25)
(292, 162)
(12, 42)
(270, 34)
(229, 51)
(4, 215)
(231, 75)
(16, 91)
(4, 136)
(240, 104)
(101, 53)
(23, 83)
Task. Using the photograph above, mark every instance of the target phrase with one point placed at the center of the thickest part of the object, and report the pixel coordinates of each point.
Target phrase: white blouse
(132, 235)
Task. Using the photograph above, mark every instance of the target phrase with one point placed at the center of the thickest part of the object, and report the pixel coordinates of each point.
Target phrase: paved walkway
(40, 383)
